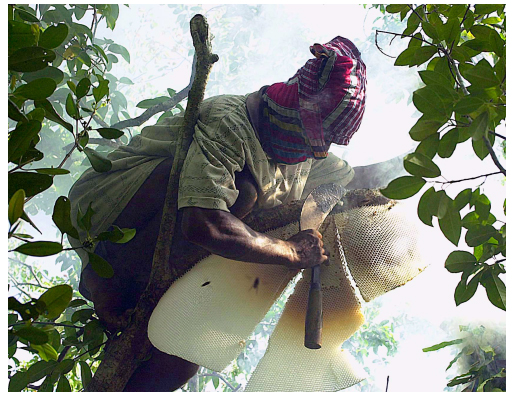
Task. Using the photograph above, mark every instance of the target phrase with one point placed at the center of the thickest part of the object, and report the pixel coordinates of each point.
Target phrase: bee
(255, 284)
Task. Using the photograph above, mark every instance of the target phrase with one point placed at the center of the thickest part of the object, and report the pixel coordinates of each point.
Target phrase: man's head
(322, 103)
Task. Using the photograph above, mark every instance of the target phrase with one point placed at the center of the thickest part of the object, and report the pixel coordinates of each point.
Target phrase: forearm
(223, 234)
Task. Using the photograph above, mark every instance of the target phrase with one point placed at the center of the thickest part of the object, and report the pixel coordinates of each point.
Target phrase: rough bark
(126, 352)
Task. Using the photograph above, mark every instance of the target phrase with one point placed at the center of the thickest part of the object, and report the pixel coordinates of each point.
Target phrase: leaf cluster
(482, 357)
(463, 99)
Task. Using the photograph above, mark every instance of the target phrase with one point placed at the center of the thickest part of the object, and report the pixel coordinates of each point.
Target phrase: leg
(161, 373)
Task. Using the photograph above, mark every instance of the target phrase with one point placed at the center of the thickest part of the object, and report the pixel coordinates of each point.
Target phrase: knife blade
(316, 207)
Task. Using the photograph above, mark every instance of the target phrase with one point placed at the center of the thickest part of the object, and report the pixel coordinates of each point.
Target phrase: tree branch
(124, 354)
(161, 107)
(493, 155)
(469, 179)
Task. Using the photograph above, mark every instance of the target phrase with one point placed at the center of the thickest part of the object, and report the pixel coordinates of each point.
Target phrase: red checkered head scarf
(322, 103)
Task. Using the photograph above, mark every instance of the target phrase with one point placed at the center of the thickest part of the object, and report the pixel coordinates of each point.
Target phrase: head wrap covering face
(322, 103)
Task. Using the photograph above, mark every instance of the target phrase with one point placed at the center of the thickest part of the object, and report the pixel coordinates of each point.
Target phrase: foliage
(59, 89)
(462, 50)
(482, 357)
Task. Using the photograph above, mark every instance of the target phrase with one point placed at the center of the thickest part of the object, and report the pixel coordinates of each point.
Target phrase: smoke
(278, 39)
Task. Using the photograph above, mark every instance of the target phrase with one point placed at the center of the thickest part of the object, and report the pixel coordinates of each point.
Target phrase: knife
(316, 207)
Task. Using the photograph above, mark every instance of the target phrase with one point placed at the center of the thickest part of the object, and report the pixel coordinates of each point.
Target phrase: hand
(308, 249)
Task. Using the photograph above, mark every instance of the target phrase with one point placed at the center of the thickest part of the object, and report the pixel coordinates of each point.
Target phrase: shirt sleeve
(217, 152)
(332, 169)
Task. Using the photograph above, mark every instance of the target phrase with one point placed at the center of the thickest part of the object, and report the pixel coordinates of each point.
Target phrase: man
(256, 151)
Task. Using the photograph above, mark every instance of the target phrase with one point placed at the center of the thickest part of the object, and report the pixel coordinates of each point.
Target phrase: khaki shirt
(223, 143)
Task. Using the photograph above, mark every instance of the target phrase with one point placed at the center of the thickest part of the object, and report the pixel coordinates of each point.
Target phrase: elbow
(195, 226)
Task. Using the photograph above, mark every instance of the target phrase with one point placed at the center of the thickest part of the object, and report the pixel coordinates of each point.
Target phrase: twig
(51, 323)
(496, 134)
(468, 179)
(96, 141)
(387, 383)
(493, 155)
(161, 107)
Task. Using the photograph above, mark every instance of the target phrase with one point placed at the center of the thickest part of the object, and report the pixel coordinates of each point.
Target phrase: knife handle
(314, 316)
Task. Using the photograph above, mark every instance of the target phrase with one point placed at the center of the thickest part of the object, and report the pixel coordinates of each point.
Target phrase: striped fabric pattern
(322, 103)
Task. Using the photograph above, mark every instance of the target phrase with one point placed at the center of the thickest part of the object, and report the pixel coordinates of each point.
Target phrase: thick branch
(125, 353)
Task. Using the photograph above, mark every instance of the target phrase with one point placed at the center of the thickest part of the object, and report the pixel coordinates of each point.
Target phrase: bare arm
(224, 234)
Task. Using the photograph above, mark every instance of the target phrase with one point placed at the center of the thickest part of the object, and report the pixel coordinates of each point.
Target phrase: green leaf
(430, 31)
(62, 217)
(46, 351)
(31, 182)
(450, 225)
(433, 101)
(20, 139)
(57, 299)
(119, 49)
(451, 31)
(481, 75)
(82, 315)
(85, 373)
(98, 161)
(49, 72)
(39, 370)
(462, 199)
(113, 235)
(33, 335)
(63, 385)
(424, 211)
(20, 35)
(482, 206)
(39, 248)
(413, 21)
(53, 36)
(100, 266)
(396, 8)
(418, 164)
(448, 143)
(18, 381)
(423, 54)
(479, 234)
(52, 171)
(16, 203)
(37, 89)
(110, 133)
(101, 90)
(148, 103)
(468, 104)
(465, 292)
(30, 59)
(51, 114)
(442, 345)
(459, 261)
(480, 148)
(403, 187)
(126, 80)
(71, 108)
(424, 127)
(406, 58)
(429, 146)
(495, 289)
(430, 77)
(128, 234)
(439, 203)
(83, 87)
(479, 126)
(14, 112)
